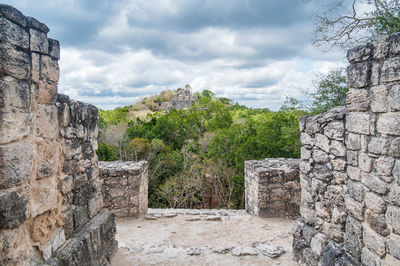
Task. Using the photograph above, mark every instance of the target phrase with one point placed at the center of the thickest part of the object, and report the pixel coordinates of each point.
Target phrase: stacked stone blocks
(49, 184)
(125, 187)
(272, 187)
(366, 221)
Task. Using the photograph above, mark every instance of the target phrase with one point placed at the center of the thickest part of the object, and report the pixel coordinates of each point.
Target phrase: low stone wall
(124, 187)
(273, 187)
(350, 170)
(49, 184)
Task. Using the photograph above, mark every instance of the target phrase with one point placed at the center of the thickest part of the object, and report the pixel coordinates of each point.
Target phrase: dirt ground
(192, 237)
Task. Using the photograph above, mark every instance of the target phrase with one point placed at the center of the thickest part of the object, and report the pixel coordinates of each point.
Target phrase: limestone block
(374, 242)
(37, 25)
(395, 44)
(306, 139)
(67, 183)
(14, 126)
(365, 139)
(305, 153)
(322, 172)
(39, 42)
(338, 148)
(353, 237)
(365, 162)
(381, 47)
(368, 258)
(44, 195)
(47, 92)
(339, 164)
(54, 49)
(47, 121)
(358, 75)
(389, 123)
(379, 145)
(393, 246)
(373, 182)
(63, 115)
(13, 34)
(44, 225)
(339, 177)
(357, 100)
(353, 141)
(360, 53)
(49, 159)
(354, 173)
(35, 69)
(334, 130)
(98, 235)
(333, 231)
(356, 190)
(318, 243)
(49, 69)
(384, 166)
(322, 211)
(15, 94)
(354, 207)
(375, 202)
(16, 248)
(396, 171)
(15, 163)
(14, 62)
(375, 73)
(308, 215)
(393, 218)
(322, 142)
(13, 15)
(57, 239)
(393, 196)
(14, 207)
(391, 70)
(95, 205)
(320, 156)
(377, 222)
(394, 98)
(80, 217)
(358, 123)
(352, 158)
(380, 99)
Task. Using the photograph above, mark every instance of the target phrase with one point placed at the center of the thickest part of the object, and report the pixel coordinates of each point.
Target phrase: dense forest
(196, 155)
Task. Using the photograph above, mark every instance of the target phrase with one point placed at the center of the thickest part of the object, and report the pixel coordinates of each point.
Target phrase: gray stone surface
(50, 193)
(272, 187)
(124, 187)
(366, 212)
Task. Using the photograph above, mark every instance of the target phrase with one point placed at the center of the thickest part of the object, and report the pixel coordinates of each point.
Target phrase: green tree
(105, 153)
(331, 91)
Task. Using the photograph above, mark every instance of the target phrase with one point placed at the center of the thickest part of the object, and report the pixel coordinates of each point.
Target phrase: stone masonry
(124, 187)
(350, 169)
(272, 188)
(50, 191)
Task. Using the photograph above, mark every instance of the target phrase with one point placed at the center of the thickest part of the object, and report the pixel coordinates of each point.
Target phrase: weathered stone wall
(124, 187)
(351, 198)
(272, 187)
(50, 192)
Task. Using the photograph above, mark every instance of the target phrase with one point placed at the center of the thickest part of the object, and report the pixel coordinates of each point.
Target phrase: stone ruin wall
(125, 187)
(50, 191)
(272, 188)
(350, 169)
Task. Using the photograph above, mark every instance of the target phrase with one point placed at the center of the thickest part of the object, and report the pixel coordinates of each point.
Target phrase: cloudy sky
(115, 52)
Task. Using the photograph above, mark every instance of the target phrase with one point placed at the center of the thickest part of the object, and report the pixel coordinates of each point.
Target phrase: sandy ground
(170, 238)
